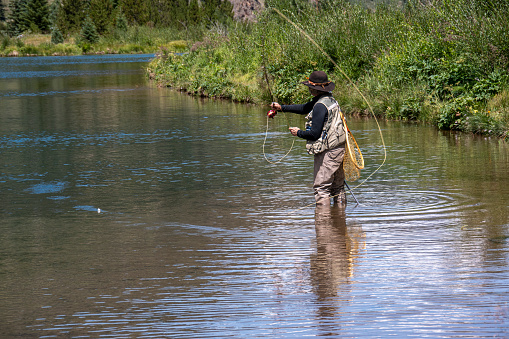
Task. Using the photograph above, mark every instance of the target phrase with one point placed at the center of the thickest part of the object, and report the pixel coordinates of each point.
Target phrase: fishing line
(351, 82)
(273, 99)
(265, 140)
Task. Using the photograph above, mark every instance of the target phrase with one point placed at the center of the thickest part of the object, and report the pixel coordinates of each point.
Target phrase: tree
(172, 13)
(101, 14)
(56, 36)
(17, 22)
(2, 11)
(54, 9)
(37, 16)
(217, 11)
(88, 31)
(71, 15)
(194, 13)
(121, 21)
(180, 13)
(226, 10)
(136, 11)
(155, 11)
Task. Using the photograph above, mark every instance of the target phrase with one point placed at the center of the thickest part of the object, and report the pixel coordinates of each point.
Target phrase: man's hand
(294, 130)
(275, 106)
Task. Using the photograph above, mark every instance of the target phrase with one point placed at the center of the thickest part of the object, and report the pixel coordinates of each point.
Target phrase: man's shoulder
(326, 100)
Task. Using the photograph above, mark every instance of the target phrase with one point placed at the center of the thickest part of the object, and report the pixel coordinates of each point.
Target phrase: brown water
(129, 211)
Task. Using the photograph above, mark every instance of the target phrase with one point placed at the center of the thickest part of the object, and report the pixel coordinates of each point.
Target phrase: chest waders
(333, 132)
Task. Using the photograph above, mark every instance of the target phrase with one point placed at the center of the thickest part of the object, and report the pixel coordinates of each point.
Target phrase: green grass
(134, 40)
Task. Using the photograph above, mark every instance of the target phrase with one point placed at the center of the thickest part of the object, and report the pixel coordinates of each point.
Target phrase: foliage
(56, 36)
(71, 15)
(5, 42)
(37, 16)
(437, 61)
(2, 12)
(28, 15)
(195, 14)
(89, 32)
(179, 14)
(101, 11)
(136, 11)
(442, 62)
(133, 40)
(217, 11)
(114, 16)
(36, 44)
(121, 21)
(17, 22)
(54, 9)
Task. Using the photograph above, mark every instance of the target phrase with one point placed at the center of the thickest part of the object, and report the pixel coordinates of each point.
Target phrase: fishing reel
(272, 113)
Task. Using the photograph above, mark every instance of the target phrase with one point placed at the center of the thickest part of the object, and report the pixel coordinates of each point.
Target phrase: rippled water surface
(130, 211)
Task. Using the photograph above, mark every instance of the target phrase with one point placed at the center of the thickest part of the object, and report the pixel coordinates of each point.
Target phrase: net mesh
(353, 161)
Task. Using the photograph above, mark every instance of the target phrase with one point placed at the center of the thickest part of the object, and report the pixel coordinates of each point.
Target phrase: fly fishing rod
(351, 192)
(271, 114)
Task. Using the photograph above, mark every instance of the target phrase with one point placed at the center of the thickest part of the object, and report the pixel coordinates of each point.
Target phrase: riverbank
(135, 40)
(443, 64)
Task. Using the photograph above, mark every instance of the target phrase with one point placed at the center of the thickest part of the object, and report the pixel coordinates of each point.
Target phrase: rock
(245, 10)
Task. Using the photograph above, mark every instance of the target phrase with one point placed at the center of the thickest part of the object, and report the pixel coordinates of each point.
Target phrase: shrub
(177, 46)
(85, 47)
(56, 36)
(498, 107)
(486, 88)
(483, 123)
(131, 48)
(5, 42)
(29, 50)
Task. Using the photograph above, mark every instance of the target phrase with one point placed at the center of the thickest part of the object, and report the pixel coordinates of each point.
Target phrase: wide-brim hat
(319, 81)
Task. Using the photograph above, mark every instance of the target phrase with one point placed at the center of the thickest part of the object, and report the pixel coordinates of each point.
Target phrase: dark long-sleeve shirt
(320, 115)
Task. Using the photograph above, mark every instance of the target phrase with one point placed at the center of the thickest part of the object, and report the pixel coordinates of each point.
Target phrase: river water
(131, 211)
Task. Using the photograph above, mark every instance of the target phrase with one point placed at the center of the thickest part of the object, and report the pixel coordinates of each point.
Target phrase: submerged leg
(326, 165)
(338, 186)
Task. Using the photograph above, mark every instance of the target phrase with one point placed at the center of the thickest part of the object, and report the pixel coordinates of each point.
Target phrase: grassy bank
(137, 39)
(444, 63)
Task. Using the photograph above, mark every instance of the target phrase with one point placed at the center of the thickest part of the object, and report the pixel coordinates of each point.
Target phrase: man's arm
(299, 109)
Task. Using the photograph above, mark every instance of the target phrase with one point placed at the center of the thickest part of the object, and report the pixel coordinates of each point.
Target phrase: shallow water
(133, 211)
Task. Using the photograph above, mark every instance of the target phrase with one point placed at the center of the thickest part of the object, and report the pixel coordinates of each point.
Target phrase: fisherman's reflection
(332, 267)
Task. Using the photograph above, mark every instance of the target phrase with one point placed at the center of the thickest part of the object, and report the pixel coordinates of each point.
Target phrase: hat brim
(329, 88)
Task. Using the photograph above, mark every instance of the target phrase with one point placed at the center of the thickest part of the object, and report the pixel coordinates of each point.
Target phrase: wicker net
(353, 160)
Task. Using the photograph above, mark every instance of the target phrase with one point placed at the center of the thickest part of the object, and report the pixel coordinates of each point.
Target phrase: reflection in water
(332, 267)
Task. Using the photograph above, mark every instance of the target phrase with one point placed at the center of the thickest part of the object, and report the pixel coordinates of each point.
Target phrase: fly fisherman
(325, 137)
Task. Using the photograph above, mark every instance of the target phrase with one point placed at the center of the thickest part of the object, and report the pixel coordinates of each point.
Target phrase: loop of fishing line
(265, 140)
(351, 82)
